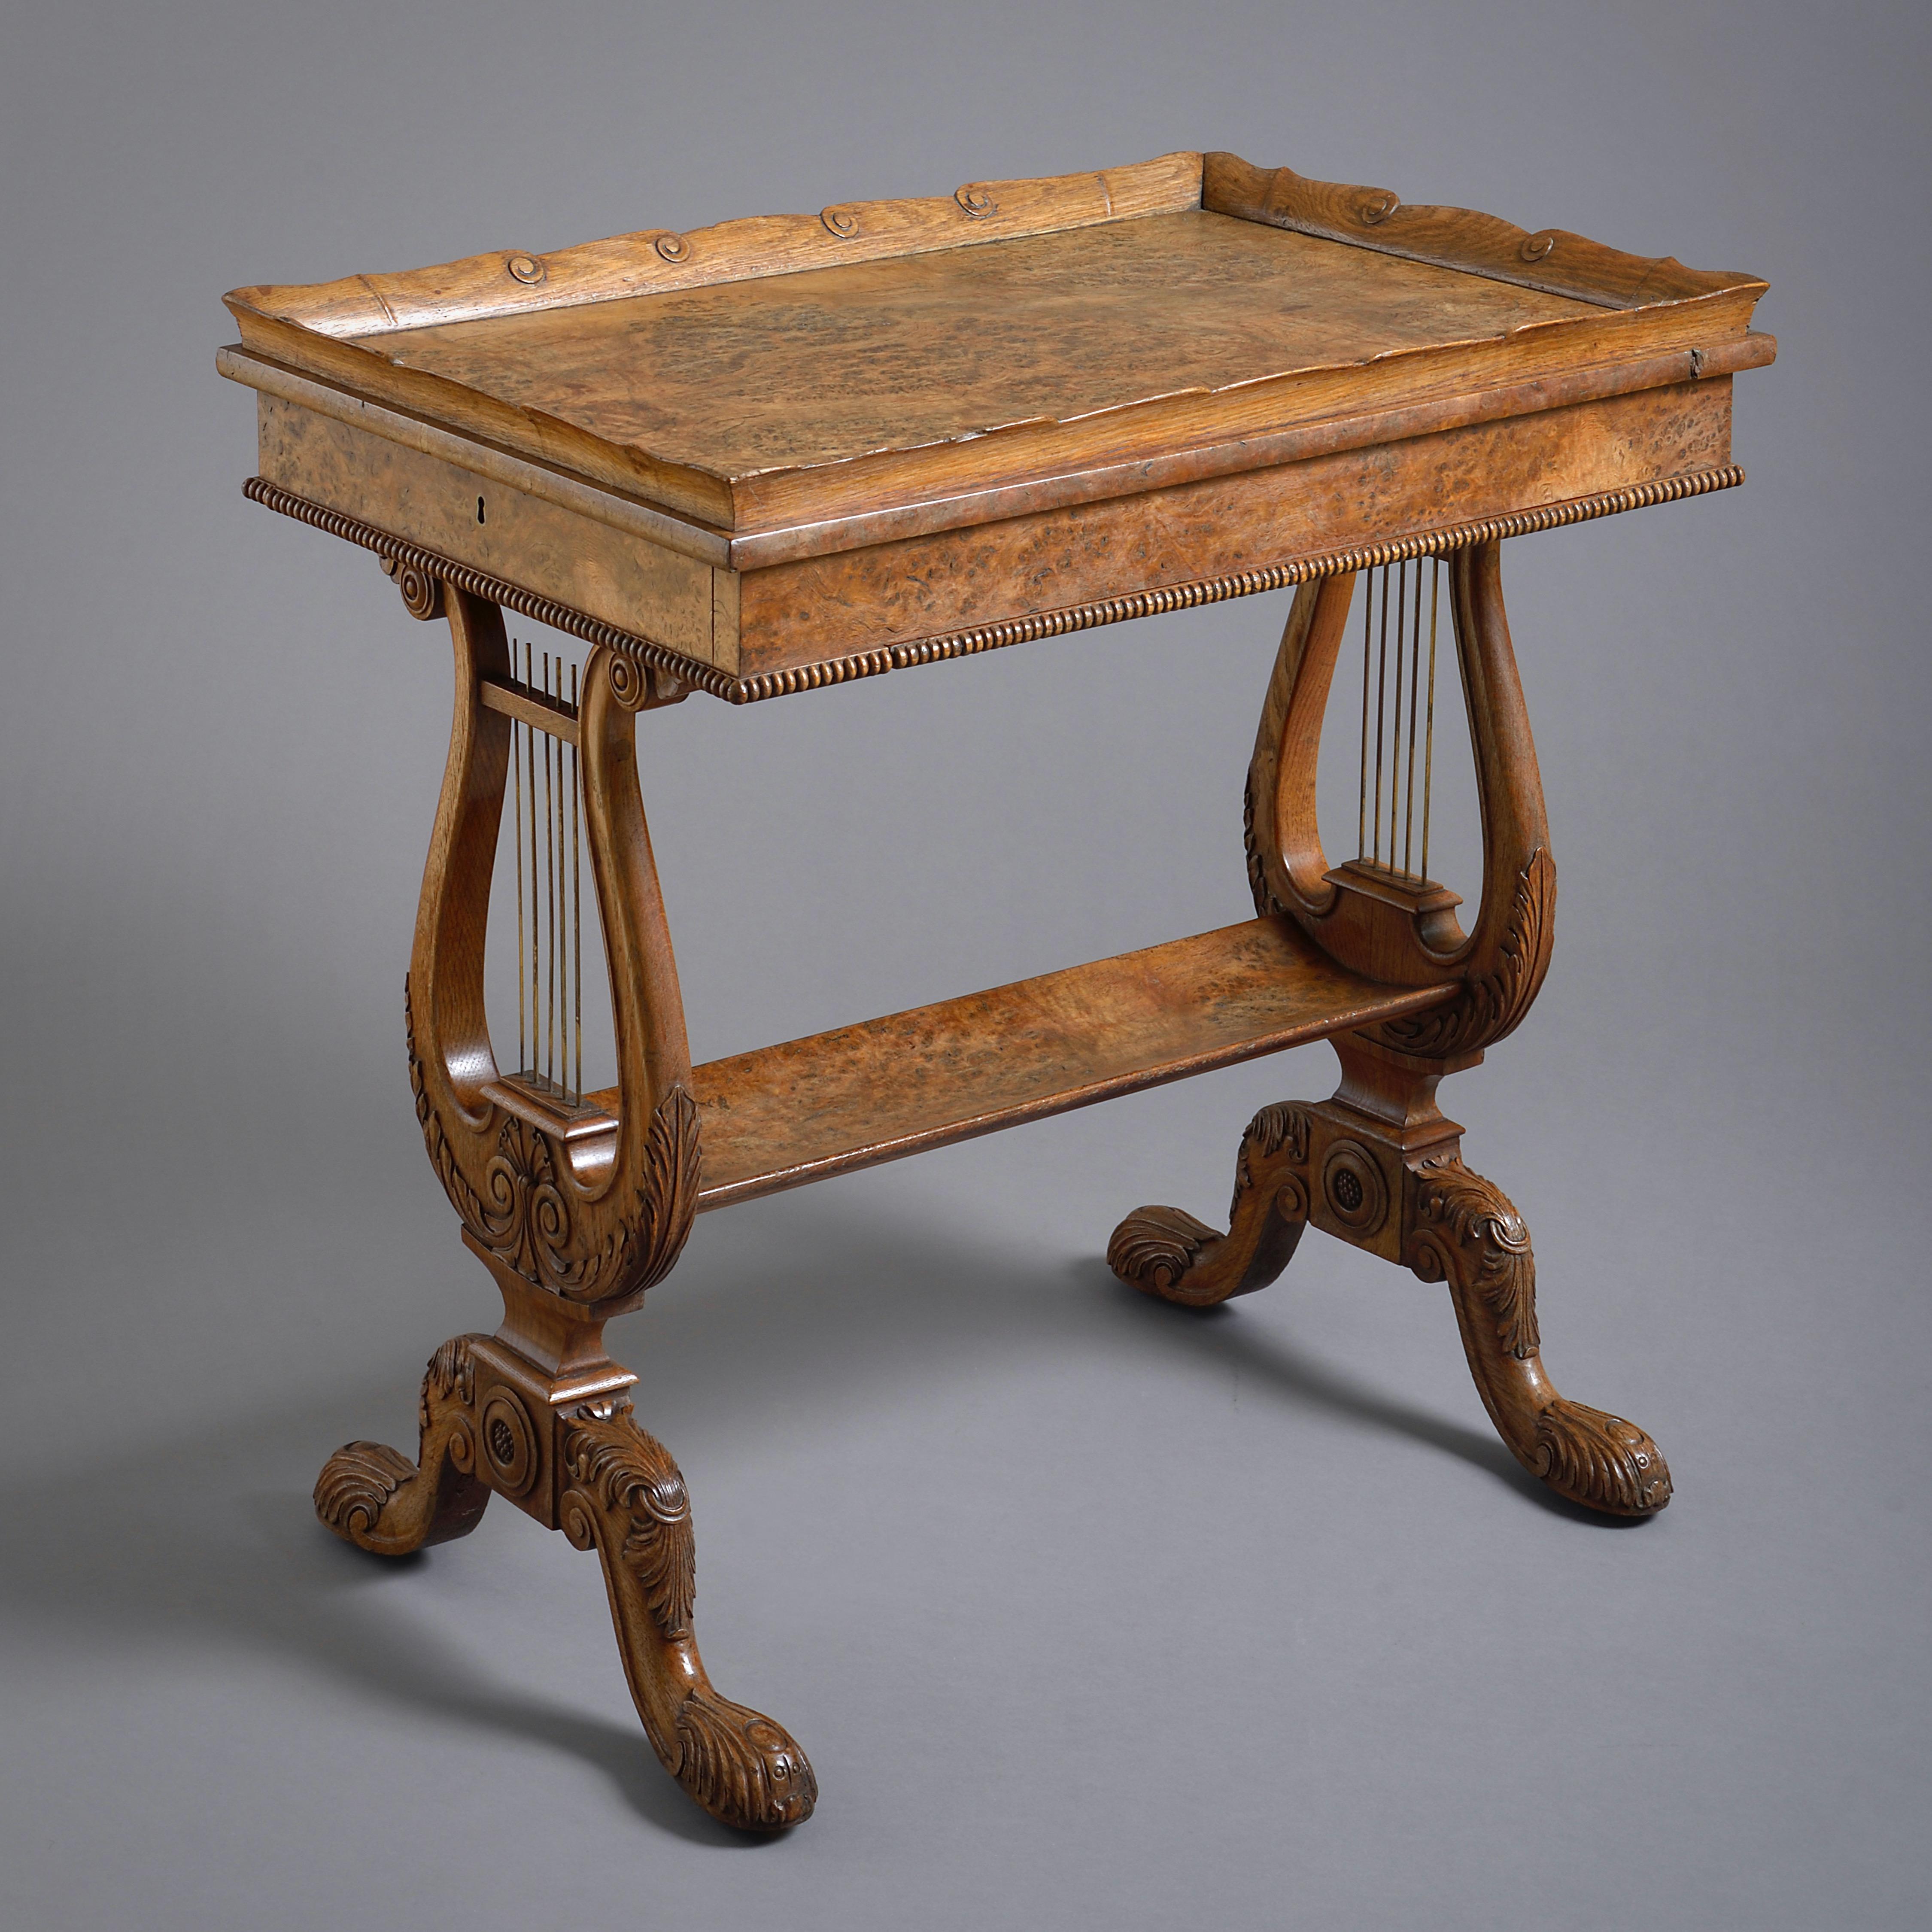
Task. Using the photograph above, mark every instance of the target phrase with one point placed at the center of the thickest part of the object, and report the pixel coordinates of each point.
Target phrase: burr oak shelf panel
(810, 1109)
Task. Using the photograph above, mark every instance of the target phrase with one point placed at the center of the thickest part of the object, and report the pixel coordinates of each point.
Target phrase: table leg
(1378, 1164)
(587, 1469)
(625, 1499)
(573, 1227)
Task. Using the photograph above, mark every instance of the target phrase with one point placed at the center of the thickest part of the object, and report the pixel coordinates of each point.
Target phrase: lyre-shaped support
(599, 1222)
(574, 1228)
(1401, 932)
(1379, 1165)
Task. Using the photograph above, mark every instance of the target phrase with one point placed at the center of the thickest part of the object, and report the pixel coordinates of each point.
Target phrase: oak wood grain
(794, 393)
(623, 577)
(859, 1095)
(1551, 259)
(867, 599)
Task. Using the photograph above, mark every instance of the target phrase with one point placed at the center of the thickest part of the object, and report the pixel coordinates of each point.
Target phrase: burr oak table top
(790, 450)
(795, 372)
(792, 367)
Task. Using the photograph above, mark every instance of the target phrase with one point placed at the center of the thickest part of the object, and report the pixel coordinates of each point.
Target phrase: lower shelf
(810, 1109)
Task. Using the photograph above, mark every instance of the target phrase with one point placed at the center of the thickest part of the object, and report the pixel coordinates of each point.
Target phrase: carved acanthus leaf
(1154, 1247)
(1283, 1125)
(356, 1484)
(523, 1212)
(1266, 903)
(633, 1477)
(1467, 1232)
(374, 1496)
(1494, 1004)
(451, 1371)
(644, 1246)
(1166, 1251)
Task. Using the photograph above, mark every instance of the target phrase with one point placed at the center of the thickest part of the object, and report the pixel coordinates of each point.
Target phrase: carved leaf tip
(355, 1485)
(1600, 1460)
(741, 1766)
(638, 1484)
(1493, 1004)
(1469, 1233)
(1154, 1247)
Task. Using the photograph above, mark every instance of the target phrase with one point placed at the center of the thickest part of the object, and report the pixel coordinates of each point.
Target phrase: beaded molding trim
(987, 637)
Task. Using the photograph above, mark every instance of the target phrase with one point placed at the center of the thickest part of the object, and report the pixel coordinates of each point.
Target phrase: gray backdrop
(1090, 1613)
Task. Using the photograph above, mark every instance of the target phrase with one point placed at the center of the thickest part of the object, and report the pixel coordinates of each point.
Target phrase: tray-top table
(782, 453)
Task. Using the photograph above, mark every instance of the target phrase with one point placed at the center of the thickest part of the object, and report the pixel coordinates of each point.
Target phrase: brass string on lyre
(546, 820)
(1390, 738)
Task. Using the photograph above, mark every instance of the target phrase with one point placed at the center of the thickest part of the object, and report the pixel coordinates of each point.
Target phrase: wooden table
(778, 454)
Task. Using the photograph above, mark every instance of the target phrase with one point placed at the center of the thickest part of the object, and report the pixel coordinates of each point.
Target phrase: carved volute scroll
(601, 1233)
(1166, 1252)
(1398, 935)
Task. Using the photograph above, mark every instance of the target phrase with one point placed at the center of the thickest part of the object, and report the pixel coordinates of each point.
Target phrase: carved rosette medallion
(509, 1442)
(1353, 1188)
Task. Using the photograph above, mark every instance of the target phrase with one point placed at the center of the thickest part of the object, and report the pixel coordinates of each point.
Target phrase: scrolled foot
(355, 1486)
(1165, 1252)
(627, 1501)
(1154, 1248)
(375, 1497)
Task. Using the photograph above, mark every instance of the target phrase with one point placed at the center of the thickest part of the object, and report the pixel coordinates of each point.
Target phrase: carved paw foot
(1598, 1460)
(375, 1497)
(1166, 1251)
(741, 1767)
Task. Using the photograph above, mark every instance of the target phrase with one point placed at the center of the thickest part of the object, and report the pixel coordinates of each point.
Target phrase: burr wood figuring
(779, 453)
